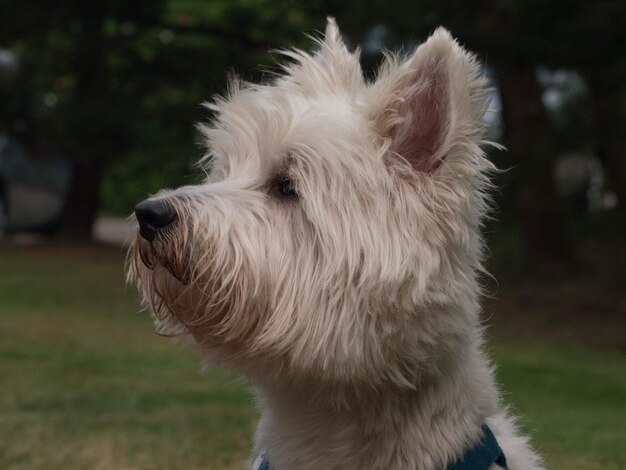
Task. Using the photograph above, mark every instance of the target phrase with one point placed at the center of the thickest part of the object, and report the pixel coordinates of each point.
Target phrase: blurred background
(98, 107)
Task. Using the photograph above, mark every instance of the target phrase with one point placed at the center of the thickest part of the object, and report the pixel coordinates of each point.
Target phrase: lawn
(84, 383)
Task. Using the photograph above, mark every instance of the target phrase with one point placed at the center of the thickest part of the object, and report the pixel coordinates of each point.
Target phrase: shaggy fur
(351, 304)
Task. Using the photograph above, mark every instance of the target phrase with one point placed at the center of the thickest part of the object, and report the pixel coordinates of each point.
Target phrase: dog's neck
(425, 428)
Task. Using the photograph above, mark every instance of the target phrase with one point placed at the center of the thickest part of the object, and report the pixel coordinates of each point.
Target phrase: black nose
(153, 215)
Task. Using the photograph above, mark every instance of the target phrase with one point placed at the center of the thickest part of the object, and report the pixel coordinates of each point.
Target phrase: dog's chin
(172, 290)
(182, 276)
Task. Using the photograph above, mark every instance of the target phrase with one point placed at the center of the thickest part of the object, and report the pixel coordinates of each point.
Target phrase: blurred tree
(118, 79)
(532, 143)
(72, 102)
(116, 84)
(608, 88)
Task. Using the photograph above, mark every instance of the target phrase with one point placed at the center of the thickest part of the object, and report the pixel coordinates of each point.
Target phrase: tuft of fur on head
(367, 276)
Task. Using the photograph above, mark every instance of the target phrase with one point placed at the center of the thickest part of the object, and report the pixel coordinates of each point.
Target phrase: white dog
(332, 257)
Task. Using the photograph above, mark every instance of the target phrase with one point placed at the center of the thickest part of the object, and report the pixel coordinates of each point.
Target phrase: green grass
(84, 383)
(573, 402)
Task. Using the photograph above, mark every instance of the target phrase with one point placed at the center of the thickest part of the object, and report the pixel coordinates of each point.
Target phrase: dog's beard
(193, 288)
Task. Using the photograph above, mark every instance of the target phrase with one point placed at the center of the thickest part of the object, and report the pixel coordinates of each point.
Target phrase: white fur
(353, 308)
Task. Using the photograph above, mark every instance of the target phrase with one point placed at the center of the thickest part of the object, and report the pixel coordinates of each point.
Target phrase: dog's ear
(428, 108)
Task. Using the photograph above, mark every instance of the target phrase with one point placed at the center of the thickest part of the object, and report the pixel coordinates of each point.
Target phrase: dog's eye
(286, 187)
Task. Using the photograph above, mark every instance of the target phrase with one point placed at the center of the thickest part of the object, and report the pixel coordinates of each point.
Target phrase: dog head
(337, 234)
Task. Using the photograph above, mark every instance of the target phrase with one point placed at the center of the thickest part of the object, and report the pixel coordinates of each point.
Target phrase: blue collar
(482, 455)
(479, 457)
